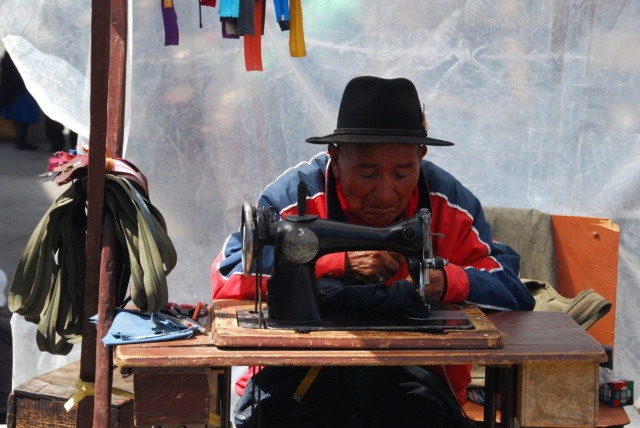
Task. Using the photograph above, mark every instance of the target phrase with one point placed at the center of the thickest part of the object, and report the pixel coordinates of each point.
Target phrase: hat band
(373, 131)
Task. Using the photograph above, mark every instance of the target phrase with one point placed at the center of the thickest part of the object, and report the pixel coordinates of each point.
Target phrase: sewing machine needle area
(294, 300)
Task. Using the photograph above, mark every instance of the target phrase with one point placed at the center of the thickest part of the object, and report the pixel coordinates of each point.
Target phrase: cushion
(528, 232)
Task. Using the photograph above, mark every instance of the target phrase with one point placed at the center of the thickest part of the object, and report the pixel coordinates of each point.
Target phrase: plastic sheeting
(540, 97)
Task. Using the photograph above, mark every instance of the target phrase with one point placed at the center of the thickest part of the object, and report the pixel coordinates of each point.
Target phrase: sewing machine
(293, 300)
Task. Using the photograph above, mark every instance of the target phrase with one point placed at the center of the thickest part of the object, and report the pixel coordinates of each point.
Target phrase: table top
(527, 338)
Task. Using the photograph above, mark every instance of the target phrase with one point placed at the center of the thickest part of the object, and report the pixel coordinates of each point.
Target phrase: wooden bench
(40, 402)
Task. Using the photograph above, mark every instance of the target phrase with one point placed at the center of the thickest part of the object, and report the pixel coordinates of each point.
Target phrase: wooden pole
(117, 77)
(109, 266)
(100, 18)
(106, 302)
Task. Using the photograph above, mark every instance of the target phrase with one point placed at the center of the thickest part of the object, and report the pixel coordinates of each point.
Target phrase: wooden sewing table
(546, 370)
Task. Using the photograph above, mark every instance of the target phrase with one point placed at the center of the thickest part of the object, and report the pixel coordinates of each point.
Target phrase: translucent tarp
(541, 99)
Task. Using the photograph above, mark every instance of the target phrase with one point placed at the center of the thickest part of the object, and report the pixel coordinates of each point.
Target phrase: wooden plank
(172, 396)
(612, 416)
(528, 337)
(475, 412)
(586, 251)
(558, 395)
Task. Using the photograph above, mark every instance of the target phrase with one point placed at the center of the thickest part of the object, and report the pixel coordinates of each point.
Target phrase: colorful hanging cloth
(296, 34)
(253, 41)
(282, 13)
(245, 18)
(229, 28)
(229, 8)
(170, 19)
(210, 3)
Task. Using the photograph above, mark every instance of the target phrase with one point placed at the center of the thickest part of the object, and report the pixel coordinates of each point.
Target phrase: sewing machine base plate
(441, 318)
(229, 314)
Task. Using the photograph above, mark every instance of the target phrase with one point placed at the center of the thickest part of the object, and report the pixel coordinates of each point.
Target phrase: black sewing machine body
(300, 241)
(293, 300)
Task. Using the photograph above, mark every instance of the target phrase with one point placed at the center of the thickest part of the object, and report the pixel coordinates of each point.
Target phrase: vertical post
(117, 77)
(108, 266)
(106, 301)
(100, 18)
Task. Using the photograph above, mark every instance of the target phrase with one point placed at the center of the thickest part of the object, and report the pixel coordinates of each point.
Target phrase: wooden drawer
(558, 395)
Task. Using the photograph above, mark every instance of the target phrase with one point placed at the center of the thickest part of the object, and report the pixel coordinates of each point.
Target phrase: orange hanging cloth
(252, 43)
(296, 32)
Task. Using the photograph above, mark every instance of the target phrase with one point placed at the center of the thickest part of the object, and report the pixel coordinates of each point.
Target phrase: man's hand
(372, 266)
(434, 292)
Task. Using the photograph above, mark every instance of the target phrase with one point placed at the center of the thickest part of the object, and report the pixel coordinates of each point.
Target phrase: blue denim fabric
(136, 327)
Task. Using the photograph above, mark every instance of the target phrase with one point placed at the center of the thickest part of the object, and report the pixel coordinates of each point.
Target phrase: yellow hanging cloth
(296, 31)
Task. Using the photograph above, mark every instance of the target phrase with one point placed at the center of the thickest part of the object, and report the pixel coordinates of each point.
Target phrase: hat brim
(377, 139)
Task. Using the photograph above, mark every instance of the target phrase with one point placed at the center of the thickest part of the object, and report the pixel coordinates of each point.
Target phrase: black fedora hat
(376, 110)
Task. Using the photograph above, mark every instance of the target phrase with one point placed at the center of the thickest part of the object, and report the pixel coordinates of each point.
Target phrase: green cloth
(48, 286)
(528, 231)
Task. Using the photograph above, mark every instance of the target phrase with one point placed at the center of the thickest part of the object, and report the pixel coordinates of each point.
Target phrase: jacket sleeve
(227, 279)
(481, 271)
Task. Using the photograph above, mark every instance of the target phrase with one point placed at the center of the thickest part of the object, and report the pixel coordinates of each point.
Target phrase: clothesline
(245, 19)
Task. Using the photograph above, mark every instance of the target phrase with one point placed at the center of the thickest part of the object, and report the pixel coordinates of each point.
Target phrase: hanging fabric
(170, 19)
(282, 13)
(210, 3)
(296, 34)
(246, 17)
(230, 28)
(252, 42)
(229, 8)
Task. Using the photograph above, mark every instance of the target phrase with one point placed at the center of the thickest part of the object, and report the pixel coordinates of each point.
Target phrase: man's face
(377, 179)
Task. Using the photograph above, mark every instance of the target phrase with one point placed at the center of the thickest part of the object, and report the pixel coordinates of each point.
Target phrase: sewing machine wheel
(248, 238)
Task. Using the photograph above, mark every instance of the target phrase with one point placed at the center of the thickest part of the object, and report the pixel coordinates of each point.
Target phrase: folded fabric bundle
(130, 326)
(400, 297)
(48, 286)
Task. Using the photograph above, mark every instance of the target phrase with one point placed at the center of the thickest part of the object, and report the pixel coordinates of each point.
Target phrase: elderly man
(374, 174)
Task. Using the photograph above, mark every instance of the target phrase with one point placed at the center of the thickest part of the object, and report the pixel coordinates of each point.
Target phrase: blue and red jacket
(481, 271)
